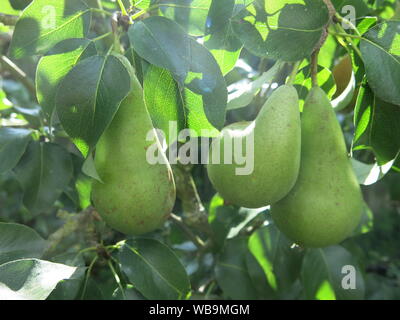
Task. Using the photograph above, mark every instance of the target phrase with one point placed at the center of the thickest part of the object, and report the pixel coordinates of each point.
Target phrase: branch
(194, 213)
(73, 223)
(17, 73)
(8, 20)
(194, 238)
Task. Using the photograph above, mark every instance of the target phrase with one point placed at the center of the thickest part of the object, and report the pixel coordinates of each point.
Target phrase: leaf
(31, 279)
(43, 172)
(6, 8)
(377, 126)
(163, 43)
(362, 112)
(55, 65)
(219, 15)
(228, 221)
(231, 271)
(154, 270)
(285, 30)
(205, 91)
(245, 92)
(163, 100)
(303, 83)
(380, 48)
(20, 4)
(225, 48)
(47, 22)
(220, 39)
(280, 262)
(385, 131)
(90, 170)
(368, 174)
(359, 6)
(323, 273)
(367, 221)
(13, 143)
(190, 15)
(89, 96)
(18, 241)
(4, 102)
(68, 289)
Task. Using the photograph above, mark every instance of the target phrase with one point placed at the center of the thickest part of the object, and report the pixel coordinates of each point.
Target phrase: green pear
(325, 205)
(135, 197)
(272, 143)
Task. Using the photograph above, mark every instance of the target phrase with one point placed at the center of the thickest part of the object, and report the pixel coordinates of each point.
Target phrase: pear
(135, 197)
(345, 79)
(325, 205)
(272, 143)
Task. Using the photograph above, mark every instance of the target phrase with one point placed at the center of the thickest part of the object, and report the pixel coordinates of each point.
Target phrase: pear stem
(314, 68)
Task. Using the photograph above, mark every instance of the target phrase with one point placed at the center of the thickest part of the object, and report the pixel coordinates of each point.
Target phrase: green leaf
(385, 131)
(381, 52)
(163, 100)
(323, 274)
(220, 39)
(273, 251)
(326, 56)
(225, 48)
(228, 221)
(6, 8)
(43, 172)
(191, 64)
(47, 22)
(303, 83)
(89, 168)
(285, 30)
(205, 91)
(69, 289)
(368, 174)
(13, 143)
(154, 270)
(20, 4)
(89, 96)
(367, 221)
(190, 15)
(55, 65)
(4, 102)
(231, 271)
(18, 241)
(142, 4)
(246, 92)
(31, 279)
(219, 15)
(376, 126)
(360, 7)
(362, 113)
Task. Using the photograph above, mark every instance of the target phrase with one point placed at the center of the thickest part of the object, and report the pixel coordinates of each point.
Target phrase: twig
(19, 74)
(194, 213)
(8, 20)
(73, 223)
(194, 238)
